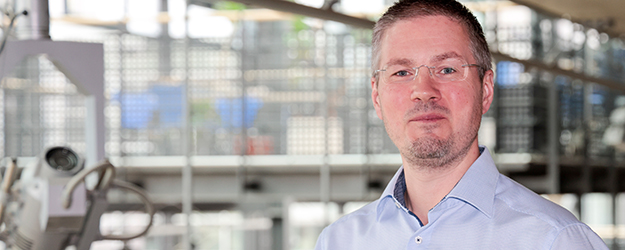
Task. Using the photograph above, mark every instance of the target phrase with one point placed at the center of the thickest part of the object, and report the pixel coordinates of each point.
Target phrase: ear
(375, 97)
(488, 87)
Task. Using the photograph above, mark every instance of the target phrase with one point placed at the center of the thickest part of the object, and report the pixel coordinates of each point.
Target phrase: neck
(426, 186)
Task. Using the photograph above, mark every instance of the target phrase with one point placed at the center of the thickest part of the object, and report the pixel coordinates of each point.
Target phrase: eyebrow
(437, 58)
(445, 56)
(400, 61)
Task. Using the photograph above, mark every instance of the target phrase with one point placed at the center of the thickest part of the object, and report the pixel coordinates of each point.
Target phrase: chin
(426, 148)
(414, 138)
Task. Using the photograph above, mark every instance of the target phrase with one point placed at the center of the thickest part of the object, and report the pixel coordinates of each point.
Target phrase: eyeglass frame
(416, 69)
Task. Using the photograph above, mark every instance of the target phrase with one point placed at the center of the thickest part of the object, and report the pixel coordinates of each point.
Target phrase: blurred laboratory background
(249, 123)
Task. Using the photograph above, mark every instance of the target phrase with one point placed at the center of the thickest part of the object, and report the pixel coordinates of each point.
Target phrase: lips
(432, 117)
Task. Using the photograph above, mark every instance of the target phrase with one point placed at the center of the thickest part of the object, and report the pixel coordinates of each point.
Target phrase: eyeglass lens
(444, 71)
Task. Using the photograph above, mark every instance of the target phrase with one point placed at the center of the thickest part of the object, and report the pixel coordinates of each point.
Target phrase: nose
(424, 87)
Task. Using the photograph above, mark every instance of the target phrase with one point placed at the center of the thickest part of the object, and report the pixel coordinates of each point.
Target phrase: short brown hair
(407, 9)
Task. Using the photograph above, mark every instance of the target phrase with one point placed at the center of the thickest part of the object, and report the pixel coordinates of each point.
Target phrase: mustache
(420, 108)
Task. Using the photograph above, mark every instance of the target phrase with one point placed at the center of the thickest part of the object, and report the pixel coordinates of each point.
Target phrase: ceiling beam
(542, 10)
(616, 85)
(295, 8)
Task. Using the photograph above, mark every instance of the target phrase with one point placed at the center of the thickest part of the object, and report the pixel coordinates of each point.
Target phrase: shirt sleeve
(580, 237)
(321, 242)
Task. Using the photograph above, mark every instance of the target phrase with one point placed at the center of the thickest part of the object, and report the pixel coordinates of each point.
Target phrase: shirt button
(418, 239)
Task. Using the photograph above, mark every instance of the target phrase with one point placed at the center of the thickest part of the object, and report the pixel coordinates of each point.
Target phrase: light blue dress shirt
(485, 210)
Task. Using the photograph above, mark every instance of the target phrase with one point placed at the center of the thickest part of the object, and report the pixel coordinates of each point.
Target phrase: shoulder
(521, 200)
(578, 236)
(363, 216)
(349, 227)
(561, 229)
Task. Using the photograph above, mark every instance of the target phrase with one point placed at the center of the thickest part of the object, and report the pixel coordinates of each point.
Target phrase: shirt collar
(391, 190)
(476, 187)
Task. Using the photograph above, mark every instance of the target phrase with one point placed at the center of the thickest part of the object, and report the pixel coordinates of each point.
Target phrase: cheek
(392, 95)
(461, 97)
(463, 100)
(394, 102)
(468, 92)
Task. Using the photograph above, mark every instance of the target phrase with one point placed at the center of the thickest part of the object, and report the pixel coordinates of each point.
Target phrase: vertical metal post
(553, 169)
(612, 178)
(122, 92)
(241, 170)
(586, 171)
(613, 188)
(286, 223)
(164, 40)
(366, 168)
(249, 236)
(324, 171)
(277, 230)
(187, 171)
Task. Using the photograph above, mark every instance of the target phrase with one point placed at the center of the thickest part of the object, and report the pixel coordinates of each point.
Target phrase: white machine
(49, 207)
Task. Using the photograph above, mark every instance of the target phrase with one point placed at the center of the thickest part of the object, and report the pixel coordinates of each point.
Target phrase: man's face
(432, 123)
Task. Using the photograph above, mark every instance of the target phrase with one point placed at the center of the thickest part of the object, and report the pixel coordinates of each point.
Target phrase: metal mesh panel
(521, 110)
(287, 80)
(571, 96)
(41, 109)
(602, 103)
(242, 91)
(147, 106)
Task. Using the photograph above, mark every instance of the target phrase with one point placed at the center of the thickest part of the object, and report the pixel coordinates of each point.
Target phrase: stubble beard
(434, 153)
(430, 152)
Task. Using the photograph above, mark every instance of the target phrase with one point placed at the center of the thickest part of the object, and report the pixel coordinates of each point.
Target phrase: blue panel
(171, 101)
(230, 111)
(508, 73)
(137, 109)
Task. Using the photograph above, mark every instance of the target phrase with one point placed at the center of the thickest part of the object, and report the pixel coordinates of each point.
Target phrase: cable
(107, 180)
(7, 182)
(8, 30)
(149, 209)
(104, 183)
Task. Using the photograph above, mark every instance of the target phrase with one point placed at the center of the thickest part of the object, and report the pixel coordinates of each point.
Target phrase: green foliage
(298, 23)
(201, 112)
(225, 5)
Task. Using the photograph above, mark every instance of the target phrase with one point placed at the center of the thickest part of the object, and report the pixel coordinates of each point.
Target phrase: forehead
(422, 39)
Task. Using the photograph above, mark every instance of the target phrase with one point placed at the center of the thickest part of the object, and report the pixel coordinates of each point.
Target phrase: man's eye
(447, 71)
(401, 73)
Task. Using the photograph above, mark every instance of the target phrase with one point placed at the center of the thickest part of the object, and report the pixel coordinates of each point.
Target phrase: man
(432, 82)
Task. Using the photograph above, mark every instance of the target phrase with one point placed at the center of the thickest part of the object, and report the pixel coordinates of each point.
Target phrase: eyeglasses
(449, 70)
